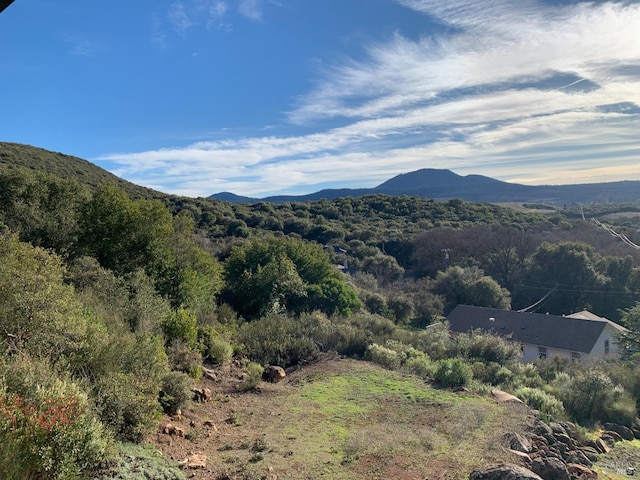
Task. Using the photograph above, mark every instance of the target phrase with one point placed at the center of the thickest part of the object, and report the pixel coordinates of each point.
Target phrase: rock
(590, 452)
(566, 439)
(558, 428)
(274, 373)
(621, 430)
(580, 472)
(202, 394)
(526, 459)
(518, 442)
(170, 429)
(610, 437)
(504, 397)
(550, 468)
(543, 429)
(210, 374)
(503, 471)
(195, 461)
(602, 446)
(580, 458)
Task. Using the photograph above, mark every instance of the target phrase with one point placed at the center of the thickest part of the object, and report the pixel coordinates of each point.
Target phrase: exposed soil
(285, 431)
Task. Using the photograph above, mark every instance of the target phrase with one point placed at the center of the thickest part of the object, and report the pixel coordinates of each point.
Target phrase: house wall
(530, 353)
(608, 333)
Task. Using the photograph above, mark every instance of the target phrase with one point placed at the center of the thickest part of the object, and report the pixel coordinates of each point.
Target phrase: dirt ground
(273, 433)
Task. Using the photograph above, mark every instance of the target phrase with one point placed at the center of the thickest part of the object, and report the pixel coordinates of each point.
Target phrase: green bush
(184, 359)
(47, 428)
(127, 404)
(176, 391)
(488, 348)
(181, 325)
(277, 340)
(452, 372)
(421, 365)
(383, 356)
(254, 373)
(548, 405)
(213, 347)
(592, 397)
(137, 462)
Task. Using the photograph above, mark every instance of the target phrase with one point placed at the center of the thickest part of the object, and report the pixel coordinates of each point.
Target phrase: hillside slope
(17, 155)
(344, 420)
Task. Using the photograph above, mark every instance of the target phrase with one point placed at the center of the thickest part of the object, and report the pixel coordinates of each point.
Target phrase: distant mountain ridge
(442, 184)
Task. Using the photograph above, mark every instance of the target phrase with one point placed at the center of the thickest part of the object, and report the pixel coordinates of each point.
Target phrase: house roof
(577, 332)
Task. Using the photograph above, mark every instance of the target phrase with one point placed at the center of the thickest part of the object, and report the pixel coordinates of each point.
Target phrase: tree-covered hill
(113, 298)
(14, 155)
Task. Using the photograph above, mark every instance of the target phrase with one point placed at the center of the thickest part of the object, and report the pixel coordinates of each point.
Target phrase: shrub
(176, 391)
(184, 359)
(591, 397)
(420, 365)
(548, 405)
(139, 462)
(488, 348)
(214, 348)
(47, 428)
(383, 356)
(435, 341)
(452, 372)
(127, 404)
(277, 340)
(254, 373)
(181, 325)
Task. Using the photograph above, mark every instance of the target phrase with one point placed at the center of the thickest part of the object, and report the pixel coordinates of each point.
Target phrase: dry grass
(343, 420)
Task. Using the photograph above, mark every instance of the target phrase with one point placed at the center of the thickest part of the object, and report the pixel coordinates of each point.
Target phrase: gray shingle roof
(576, 333)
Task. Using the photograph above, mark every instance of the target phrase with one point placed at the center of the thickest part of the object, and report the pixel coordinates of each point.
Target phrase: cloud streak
(521, 91)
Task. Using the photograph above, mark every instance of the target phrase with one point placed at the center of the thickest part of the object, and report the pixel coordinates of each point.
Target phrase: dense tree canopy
(275, 275)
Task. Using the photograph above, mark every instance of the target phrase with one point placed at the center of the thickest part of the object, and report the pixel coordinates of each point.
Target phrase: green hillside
(66, 166)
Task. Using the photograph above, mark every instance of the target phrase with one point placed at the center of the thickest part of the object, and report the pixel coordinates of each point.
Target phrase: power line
(539, 302)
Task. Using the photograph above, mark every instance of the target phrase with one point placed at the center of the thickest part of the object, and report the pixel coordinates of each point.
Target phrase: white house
(579, 336)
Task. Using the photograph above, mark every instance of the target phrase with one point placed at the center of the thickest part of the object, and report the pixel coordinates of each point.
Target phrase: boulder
(503, 471)
(274, 373)
(558, 428)
(201, 394)
(504, 397)
(602, 446)
(550, 468)
(195, 461)
(590, 452)
(611, 438)
(625, 432)
(517, 442)
(580, 472)
(170, 429)
(566, 439)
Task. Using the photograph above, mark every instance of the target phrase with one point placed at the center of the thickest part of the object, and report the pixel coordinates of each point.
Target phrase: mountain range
(441, 184)
(432, 183)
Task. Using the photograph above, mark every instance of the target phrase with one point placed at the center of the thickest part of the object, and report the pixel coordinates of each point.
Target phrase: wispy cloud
(82, 47)
(522, 91)
(251, 9)
(179, 18)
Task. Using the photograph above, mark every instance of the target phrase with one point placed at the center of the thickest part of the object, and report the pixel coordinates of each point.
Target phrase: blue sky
(262, 97)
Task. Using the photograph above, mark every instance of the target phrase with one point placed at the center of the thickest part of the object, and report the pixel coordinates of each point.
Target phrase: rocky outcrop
(557, 451)
(503, 471)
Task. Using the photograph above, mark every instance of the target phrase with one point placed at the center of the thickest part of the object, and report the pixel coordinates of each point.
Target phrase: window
(575, 356)
(606, 347)
(542, 352)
